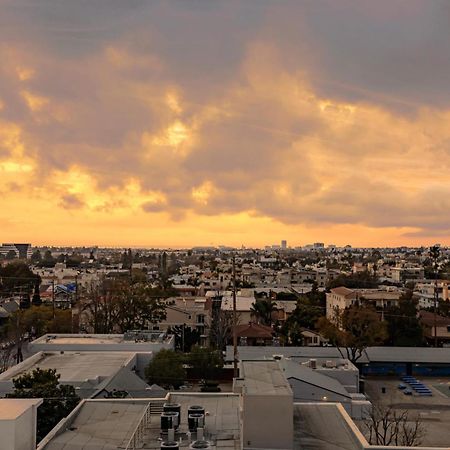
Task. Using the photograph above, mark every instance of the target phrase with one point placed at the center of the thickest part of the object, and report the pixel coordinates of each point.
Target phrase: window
(201, 318)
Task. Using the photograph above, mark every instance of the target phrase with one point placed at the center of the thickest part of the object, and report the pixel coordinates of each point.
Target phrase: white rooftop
(72, 366)
(264, 377)
(100, 425)
(12, 408)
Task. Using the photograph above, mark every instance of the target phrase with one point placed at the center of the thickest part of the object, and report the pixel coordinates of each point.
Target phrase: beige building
(340, 298)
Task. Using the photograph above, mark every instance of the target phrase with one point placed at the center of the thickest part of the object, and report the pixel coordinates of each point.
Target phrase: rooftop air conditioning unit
(313, 363)
(169, 420)
(205, 445)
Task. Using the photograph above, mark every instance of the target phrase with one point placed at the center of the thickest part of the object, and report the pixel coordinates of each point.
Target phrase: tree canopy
(356, 329)
(166, 369)
(355, 280)
(205, 362)
(59, 400)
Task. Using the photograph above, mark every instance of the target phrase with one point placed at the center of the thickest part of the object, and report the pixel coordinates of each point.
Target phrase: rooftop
(313, 423)
(264, 377)
(111, 424)
(72, 366)
(135, 337)
(99, 425)
(372, 354)
(12, 408)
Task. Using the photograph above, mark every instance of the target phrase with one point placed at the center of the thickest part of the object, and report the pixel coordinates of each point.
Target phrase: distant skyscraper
(22, 251)
(284, 245)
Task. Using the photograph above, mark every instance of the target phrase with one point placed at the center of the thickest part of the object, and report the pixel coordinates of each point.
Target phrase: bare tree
(388, 426)
(221, 330)
(6, 357)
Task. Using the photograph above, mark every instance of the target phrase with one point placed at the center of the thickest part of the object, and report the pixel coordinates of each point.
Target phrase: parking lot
(434, 411)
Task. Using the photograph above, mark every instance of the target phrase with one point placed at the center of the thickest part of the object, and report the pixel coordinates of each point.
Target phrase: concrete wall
(268, 421)
(19, 433)
(8, 435)
(304, 392)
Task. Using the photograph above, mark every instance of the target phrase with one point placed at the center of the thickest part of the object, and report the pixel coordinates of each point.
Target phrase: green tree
(355, 329)
(17, 278)
(166, 369)
(403, 326)
(36, 300)
(48, 260)
(11, 255)
(304, 316)
(137, 307)
(263, 310)
(355, 280)
(59, 400)
(206, 363)
(36, 257)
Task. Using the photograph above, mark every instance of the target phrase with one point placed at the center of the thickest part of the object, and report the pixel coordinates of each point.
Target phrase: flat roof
(72, 366)
(87, 339)
(321, 426)
(12, 408)
(424, 355)
(131, 337)
(264, 377)
(100, 425)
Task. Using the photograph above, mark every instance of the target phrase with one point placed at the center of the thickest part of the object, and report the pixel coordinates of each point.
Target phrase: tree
(137, 307)
(166, 369)
(387, 426)
(122, 305)
(263, 310)
(206, 363)
(185, 337)
(59, 400)
(36, 321)
(36, 257)
(36, 300)
(48, 260)
(17, 278)
(6, 357)
(304, 316)
(355, 281)
(355, 329)
(11, 255)
(403, 326)
(221, 330)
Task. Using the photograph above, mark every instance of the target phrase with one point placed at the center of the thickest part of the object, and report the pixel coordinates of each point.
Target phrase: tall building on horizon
(284, 244)
(22, 251)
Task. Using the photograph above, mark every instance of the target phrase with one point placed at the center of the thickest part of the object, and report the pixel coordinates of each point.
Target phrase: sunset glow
(169, 124)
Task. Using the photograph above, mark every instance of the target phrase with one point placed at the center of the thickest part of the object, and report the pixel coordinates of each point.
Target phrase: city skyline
(224, 123)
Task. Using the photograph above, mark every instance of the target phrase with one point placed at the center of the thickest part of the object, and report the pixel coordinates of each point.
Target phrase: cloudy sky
(199, 122)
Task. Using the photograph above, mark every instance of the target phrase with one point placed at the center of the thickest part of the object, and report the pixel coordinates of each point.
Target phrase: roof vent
(172, 445)
(200, 444)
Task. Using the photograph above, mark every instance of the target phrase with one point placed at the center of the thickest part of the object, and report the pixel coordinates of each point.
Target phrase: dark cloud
(313, 112)
(71, 201)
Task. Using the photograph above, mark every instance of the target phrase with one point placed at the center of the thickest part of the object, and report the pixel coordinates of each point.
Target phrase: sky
(204, 122)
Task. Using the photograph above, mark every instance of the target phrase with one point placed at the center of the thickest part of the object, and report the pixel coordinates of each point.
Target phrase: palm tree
(263, 309)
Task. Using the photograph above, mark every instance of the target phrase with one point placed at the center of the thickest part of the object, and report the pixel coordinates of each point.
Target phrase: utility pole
(434, 252)
(235, 355)
(53, 297)
(436, 300)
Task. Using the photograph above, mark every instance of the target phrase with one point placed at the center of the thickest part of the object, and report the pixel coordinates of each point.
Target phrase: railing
(137, 438)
